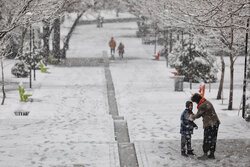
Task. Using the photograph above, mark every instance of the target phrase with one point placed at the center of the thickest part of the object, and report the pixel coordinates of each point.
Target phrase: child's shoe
(190, 152)
(211, 155)
(183, 153)
(203, 157)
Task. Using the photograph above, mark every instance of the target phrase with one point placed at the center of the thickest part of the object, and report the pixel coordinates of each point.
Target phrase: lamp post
(33, 51)
(30, 56)
(245, 74)
(166, 47)
(156, 31)
(155, 42)
(29, 14)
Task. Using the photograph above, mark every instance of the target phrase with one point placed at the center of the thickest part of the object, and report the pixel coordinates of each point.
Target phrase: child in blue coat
(187, 126)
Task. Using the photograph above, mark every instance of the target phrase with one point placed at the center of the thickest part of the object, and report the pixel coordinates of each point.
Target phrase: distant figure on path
(98, 21)
(121, 50)
(211, 124)
(186, 131)
(101, 21)
(112, 45)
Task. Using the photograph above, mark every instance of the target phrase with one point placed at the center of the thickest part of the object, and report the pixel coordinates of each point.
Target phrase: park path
(126, 149)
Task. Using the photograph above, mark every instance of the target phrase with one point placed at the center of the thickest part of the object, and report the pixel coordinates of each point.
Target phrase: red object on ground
(157, 56)
(175, 73)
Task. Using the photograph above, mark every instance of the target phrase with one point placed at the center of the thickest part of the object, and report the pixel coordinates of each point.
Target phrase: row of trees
(220, 25)
(16, 16)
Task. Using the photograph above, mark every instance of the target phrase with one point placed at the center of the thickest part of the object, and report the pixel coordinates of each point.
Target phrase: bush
(20, 69)
(33, 60)
(193, 62)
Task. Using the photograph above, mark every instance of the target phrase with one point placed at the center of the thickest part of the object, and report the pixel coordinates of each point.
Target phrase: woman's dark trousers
(210, 138)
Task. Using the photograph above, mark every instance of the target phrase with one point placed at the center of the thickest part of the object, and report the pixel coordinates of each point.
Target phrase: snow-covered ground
(69, 123)
(93, 15)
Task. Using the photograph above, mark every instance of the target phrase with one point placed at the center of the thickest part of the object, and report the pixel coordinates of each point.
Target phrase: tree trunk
(182, 39)
(155, 43)
(22, 42)
(117, 12)
(230, 103)
(67, 38)
(33, 51)
(166, 47)
(56, 38)
(46, 40)
(170, 41)
(3, 89)
(221, 77)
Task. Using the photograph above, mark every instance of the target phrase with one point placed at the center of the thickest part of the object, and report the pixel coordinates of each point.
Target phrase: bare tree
(25, 13)
(2, 73)
(46, 30)
(79, 7)
(227, 17)
(56, 38)
(219, 94)
(68, 36)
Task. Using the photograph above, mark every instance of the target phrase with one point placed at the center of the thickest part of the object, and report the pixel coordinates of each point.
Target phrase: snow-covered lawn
(68, 122)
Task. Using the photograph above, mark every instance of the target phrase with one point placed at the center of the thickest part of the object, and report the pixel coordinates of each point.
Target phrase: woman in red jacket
(112, 45)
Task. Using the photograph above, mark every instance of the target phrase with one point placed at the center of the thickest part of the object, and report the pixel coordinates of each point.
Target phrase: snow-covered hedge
(192, 61)
(20, 69)
(33, 60)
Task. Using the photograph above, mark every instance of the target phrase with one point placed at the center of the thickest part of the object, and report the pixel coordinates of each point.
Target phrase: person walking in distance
(211, 124)
(112, 45)
(121, 50)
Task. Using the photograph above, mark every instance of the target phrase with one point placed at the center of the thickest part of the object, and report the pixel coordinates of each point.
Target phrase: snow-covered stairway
(127, 153)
